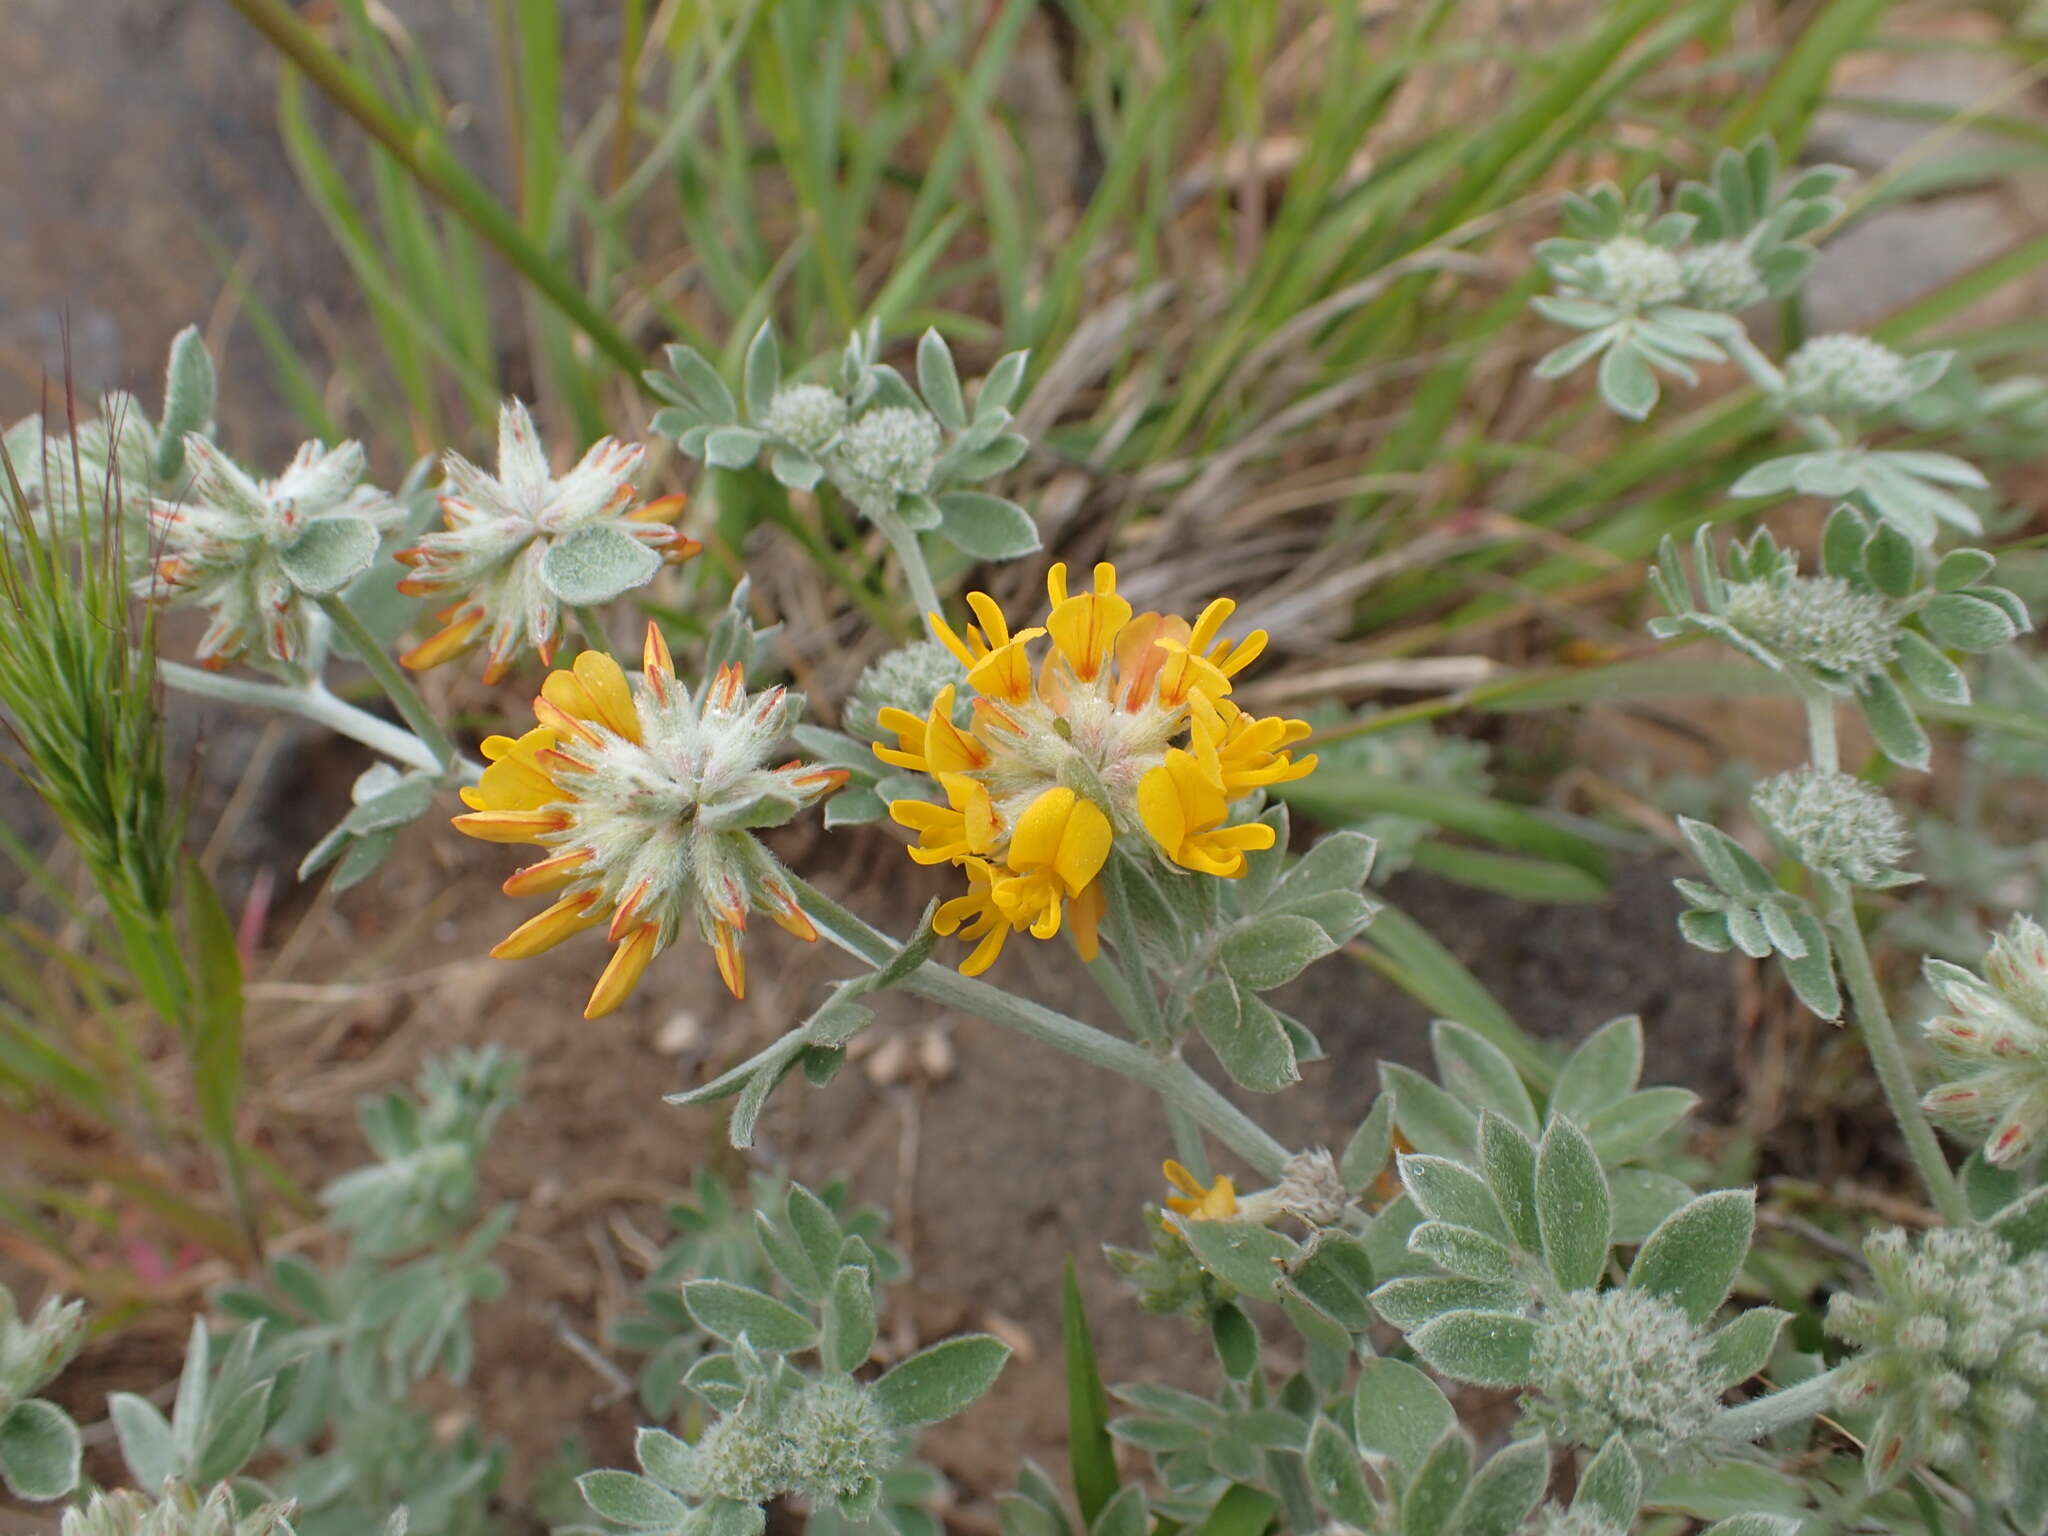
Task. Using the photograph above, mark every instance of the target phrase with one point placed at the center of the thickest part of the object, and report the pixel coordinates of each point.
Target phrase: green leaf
(939, 382)
(1892, 726)
(1478, 1074)
(1507, 1158)
(1930, 672)
(1449, 1191)
(1411, 1302)
(1626, 382)
(1432, 1120)
(1438, 1487)
(850, 1318)
(2024, 1223)
(1891, 560)
(1642, 1199)
(1090, 1455)
(986, 527)
(732, 1312)
(1366, 1153)
(937, 1383)
(669, 1461)
(1611, 1484)
(1242, 1254)
(1961, 568)
(1247, 1037)
(1621, 1130)
(1128, 1513)
(596, 564)
(1574, 1211)
(233, 1434)
(1271, 951)
(329, 553)
(1462, 1251)
(1966, 622)
(147, 1444)
(190, 393)
(39, 1451)
(1692, 1259)
(1507, 1489)
(1740, 1348)
(1336, 1476)
(1399, 1413)
(1488, 1349)
(1602, 1070)
(631, 1500)
(763, 371)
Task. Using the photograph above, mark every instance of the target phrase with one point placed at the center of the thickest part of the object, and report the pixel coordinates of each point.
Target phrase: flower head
(1816, 621)
(1122, 731)
(178, 1511)
(1846, 374)
(252, 551)
(1632, 274)
(1622, 1362)
(908, 679)
(1952, 1353)
(1993, 1045)
(1198, 1201)
(889, 453)
(33, 1350)
(646, 799)
(1721, 275)
(1835, 823)
(807, 417)
(840, 1439)
(493, 556)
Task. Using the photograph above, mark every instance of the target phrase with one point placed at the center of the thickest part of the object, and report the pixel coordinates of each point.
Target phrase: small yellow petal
(623, 971)
(544, 930)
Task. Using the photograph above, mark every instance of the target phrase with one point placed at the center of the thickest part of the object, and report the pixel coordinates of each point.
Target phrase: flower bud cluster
(1846, 375)
(252, 552)
(1993, 1045)
(908, 678)
(1952, 1353)
(1624, 1362)
(1722, 275)
(520, 544)
(35, 1349)
(888, 453)
(179, 1511)
(1834, 824)
(1632, 274)
(1817, 621)
(827, 1440)
(646, 797)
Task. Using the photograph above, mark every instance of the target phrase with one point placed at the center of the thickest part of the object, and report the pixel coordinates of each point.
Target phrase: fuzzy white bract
(1845, 375)
(1835, 824)
(238, 546)
(1622, 1362)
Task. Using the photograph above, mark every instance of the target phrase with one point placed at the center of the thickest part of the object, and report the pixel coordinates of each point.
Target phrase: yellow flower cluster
(1123, 729)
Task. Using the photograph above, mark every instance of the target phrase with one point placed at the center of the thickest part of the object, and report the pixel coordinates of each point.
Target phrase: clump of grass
(78, 699)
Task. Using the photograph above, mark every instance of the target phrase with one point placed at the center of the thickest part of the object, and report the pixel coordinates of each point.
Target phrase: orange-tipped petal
(543, 931)
(550, 874)
(510, 826)
(655, 659)
(732, 962)
(623, 971)
(444, 644)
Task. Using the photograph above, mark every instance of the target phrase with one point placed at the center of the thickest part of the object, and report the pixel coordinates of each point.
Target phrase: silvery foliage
(1878, 623)
(120, 448)
(1490, 1255)
(715, 1234)
(897, 453)
(334, 1355)
(816, 1432)
(1655, 291)
(39, 1444)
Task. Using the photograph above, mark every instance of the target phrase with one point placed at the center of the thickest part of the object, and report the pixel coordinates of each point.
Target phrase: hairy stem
(392, 679)
(903, 539)
(1760, 1416)
(1867, 1004)
(1887, 1054)
(313, 703)
(1176, 1083)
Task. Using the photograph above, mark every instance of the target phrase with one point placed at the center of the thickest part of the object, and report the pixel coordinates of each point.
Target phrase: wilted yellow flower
(646, 800)
(1123, 729)
(1197, 1201)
